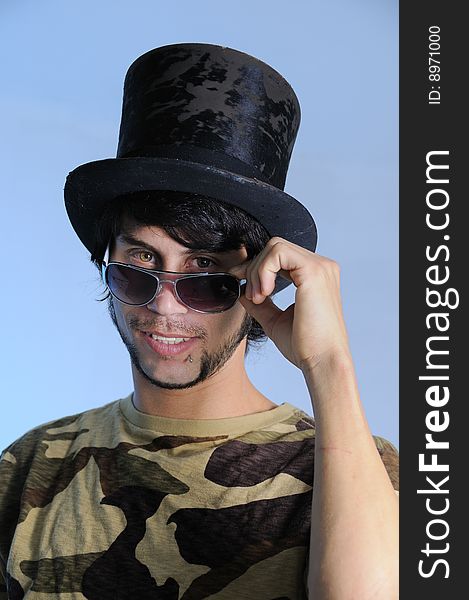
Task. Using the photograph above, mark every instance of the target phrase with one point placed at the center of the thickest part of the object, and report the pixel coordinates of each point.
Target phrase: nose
(166, 302)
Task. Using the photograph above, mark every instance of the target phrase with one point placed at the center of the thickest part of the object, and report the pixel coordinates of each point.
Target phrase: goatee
(209, 363)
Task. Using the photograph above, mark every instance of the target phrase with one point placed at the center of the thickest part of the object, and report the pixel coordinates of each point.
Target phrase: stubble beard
(209, 363)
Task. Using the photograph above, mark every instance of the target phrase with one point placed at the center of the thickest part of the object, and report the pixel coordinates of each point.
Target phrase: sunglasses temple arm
(105, 262)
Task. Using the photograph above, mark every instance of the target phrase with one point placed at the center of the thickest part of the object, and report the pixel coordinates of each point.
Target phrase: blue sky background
(63, 66)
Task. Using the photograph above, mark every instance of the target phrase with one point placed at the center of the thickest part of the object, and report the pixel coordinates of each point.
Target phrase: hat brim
(90, 186)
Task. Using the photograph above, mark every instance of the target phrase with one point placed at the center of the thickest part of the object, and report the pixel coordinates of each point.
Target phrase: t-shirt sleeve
(305, 578)
(3, 589)
(11, 486)
(390, 457)
(6, 469)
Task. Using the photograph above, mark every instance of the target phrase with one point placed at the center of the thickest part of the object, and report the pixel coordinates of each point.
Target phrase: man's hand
(311, 328)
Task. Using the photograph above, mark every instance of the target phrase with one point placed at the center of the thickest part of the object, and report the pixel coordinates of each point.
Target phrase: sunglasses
(202, 292)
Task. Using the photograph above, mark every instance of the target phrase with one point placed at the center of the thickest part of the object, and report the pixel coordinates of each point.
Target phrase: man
(197, 485)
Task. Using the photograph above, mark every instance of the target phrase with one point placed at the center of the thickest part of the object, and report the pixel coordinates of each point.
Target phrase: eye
(143, 256)
(202, 259)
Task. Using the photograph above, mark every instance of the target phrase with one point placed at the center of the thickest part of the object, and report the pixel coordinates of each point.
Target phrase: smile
(169, 346)
(168, 340)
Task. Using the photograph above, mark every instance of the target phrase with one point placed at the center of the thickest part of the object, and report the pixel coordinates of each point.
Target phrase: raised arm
(354, 519)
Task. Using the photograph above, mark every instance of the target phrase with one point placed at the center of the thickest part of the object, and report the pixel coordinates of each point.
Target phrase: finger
(265, 277)
(282, 260)
(255, 284)
(265, 313)
(251, 277)
(240, 270)
(258, 287)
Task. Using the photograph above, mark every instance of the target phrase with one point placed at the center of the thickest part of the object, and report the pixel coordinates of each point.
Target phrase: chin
(169, 367)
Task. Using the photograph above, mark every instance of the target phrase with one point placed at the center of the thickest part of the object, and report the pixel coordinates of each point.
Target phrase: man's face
(215, 336)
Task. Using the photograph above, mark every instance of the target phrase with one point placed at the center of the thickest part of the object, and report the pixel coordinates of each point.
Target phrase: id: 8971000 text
(434, 75)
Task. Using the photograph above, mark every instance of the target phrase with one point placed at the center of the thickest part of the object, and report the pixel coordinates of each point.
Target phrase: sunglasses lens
(209, 293)
(129, 285)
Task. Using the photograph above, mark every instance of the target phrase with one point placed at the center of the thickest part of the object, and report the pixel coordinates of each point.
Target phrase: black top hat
(204, 119)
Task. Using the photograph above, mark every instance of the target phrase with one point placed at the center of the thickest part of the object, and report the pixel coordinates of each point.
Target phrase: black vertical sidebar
(434, 259)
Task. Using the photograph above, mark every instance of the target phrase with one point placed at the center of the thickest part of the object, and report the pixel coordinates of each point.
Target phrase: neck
(227, 393)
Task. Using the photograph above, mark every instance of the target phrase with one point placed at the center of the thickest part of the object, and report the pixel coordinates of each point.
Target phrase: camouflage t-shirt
(113, 503)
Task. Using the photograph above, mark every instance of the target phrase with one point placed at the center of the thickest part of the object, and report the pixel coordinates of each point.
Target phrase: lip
(168, 349)
(176, 335)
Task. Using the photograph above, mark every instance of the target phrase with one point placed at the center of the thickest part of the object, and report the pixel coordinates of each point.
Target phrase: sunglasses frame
(154, 273)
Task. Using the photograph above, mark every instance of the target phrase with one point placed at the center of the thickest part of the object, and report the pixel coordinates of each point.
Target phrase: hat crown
(212, 105)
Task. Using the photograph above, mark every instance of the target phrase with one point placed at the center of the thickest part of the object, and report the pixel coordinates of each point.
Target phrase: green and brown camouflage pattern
(102, 506)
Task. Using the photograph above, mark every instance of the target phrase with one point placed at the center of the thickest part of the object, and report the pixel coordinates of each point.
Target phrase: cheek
(120, 315)
(231, 320)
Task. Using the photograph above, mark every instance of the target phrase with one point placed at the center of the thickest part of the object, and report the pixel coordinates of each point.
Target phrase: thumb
(265, 313)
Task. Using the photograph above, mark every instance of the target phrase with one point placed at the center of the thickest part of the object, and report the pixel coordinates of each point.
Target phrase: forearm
(354, 519)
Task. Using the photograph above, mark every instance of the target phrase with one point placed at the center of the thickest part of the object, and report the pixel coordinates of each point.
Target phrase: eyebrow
(131, 240)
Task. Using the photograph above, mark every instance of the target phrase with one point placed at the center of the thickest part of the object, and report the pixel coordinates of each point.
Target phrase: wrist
(332, 384)
(338, 359)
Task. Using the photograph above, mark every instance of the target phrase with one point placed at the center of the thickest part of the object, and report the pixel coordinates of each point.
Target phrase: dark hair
(192, 220)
